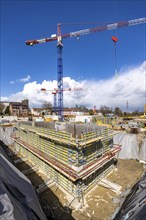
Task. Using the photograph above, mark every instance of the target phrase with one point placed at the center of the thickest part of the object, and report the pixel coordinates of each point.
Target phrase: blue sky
(89, 59)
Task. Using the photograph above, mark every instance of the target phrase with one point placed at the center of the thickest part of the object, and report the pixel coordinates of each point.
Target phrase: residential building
(17, 108)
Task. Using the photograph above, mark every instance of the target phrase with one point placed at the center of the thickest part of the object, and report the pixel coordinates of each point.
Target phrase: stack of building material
(112, 186)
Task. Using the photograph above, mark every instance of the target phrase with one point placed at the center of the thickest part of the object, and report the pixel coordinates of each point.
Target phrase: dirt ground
(99, 204)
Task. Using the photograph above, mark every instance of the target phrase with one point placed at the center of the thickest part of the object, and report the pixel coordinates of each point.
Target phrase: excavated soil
(99, 204)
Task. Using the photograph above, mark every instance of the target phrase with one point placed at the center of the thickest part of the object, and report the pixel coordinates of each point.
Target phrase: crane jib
(91, 30)
(108, 27)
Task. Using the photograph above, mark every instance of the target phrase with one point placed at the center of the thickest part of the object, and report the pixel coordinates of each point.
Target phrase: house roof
(15, 103)
(37, 109)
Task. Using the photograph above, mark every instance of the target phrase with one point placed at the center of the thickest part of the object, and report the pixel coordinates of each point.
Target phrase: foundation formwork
(74, 158)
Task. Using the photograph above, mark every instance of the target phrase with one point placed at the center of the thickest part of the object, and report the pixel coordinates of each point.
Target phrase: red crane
(55, 91)
(59, 37)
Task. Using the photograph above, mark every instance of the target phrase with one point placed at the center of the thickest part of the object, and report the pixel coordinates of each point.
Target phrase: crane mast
(59, 38)
(54, 101)
(60, 73)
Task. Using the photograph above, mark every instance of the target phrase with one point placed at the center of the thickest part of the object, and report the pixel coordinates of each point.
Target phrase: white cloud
(12, 82)
(4, 98)
(25, 79)
(128, 86)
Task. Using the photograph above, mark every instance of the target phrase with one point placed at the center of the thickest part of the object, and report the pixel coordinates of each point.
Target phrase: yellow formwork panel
(63, 137)
(48, 131)
(64, 182)
(55, 151)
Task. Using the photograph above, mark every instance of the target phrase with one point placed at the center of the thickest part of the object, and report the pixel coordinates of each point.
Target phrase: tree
(118, 111)
(2, 106)
(105, 109)
(43, 113)
(7, 111)
(47, 105)
(81, 108)
(136, 112)
(91, 112)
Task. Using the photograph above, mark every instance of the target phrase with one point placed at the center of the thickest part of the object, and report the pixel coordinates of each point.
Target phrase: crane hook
(114, 39)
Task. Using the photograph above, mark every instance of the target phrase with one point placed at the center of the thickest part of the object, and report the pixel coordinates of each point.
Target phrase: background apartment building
(16, 108)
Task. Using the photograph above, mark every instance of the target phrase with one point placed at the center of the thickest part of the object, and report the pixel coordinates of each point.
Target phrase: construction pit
(68, 166)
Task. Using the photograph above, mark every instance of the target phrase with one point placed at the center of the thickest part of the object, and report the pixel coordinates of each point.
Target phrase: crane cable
(145, 90)
(116, 69)
(115, 39)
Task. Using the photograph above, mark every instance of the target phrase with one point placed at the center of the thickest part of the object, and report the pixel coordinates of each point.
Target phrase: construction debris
(30, 170)
(112, 186)
(44, 186)
(20, 160)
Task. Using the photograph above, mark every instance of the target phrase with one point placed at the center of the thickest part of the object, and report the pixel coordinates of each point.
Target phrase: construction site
(75, 169)
(66, 164)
